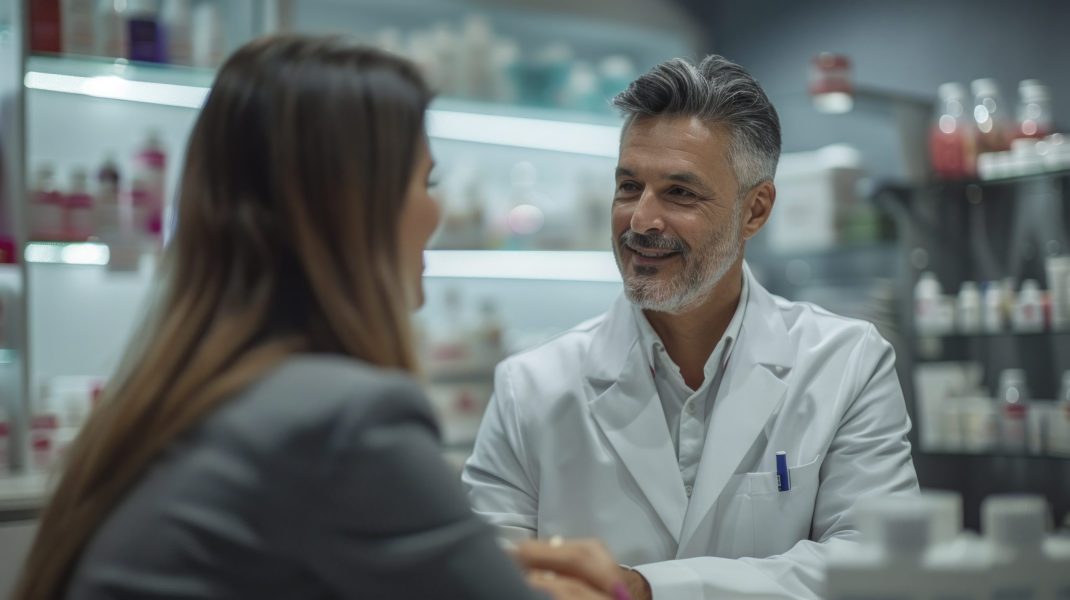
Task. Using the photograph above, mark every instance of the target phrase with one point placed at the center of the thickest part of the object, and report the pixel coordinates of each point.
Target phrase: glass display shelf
(448, 119)
(555, 265)
(998, 335)
(1045, 175)
(21, 493)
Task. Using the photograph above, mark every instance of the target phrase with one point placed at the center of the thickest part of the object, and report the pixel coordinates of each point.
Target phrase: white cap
(899, 525)
(951, 90)
(1033, 90)
(984, 87)
(1015, 520)
(1013, 386)
(944, 509)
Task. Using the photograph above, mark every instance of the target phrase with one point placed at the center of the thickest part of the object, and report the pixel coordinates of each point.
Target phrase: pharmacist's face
(419, 219)
(676, 218)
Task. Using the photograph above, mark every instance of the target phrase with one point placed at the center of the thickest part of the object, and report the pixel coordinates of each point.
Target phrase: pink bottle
(952, 144)
(79, 221)
(150, 166)
(46, 208)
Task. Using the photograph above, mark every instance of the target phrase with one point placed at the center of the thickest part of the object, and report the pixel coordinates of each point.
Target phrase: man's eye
(681, 192)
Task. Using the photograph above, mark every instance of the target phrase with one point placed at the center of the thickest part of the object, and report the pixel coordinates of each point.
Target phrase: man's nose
(647, 216)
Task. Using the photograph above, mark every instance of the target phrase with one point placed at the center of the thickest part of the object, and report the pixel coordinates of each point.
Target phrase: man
(657, 426)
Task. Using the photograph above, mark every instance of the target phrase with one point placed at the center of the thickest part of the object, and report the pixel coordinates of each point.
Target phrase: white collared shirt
(687, 411)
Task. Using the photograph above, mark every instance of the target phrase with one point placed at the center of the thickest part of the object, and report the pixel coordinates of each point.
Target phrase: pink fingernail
(620, 592)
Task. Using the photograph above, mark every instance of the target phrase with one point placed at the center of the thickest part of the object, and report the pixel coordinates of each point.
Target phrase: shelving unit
(985, 231)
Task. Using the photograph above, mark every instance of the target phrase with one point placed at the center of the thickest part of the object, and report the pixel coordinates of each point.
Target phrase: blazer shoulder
(317, 404)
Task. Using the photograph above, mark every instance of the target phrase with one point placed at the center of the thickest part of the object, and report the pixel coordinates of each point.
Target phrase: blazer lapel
(629, 414)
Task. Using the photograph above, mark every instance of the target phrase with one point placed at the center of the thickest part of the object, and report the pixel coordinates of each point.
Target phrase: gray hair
(716, 91)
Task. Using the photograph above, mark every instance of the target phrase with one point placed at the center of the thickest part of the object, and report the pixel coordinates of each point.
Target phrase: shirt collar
(651, 343)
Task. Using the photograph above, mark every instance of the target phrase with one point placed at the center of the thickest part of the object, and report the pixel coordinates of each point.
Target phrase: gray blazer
(323, 480)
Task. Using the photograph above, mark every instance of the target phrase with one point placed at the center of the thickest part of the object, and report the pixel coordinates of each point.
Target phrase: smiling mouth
(652, 253)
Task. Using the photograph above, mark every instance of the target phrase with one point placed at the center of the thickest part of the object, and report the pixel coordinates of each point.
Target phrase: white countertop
(23, 492)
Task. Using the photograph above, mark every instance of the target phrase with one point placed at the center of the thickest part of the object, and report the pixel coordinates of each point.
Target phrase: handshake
(578, 570)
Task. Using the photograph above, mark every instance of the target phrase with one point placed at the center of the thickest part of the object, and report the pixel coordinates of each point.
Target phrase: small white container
(1058, 271)
(992, 317)
(969, 310)
(1014, 529)
(1029, 308)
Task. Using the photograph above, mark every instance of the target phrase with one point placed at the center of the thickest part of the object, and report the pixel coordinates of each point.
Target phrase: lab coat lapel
(751, 393)
(627, 410)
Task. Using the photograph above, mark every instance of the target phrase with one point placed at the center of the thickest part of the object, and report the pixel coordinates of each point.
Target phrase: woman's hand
(577, 567)
(564, 588)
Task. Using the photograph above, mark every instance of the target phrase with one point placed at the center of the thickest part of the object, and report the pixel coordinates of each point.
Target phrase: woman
(265, 439)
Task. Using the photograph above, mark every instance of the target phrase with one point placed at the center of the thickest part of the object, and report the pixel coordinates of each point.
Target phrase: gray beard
(703, 270)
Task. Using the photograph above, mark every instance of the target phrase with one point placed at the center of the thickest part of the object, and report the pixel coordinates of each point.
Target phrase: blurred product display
(1030, 309)
(79, 213)
(915, 548)
(965, 269)
(177, 32)
(472, 61)
(956, 414)
(977, 137)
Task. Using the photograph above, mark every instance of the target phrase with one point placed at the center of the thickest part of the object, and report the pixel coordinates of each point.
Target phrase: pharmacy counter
(22, 496)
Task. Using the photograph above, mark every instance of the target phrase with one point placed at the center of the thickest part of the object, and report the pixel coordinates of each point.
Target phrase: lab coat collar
(626, 407)
(762, 323)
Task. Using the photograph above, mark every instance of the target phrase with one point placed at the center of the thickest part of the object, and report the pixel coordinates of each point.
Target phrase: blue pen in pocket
(783, 481)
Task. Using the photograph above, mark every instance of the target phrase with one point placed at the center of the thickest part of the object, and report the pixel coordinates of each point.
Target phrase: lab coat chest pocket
(763, 521)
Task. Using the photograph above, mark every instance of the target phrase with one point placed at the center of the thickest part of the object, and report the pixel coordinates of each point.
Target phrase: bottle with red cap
(952, 143)
(1014, 396)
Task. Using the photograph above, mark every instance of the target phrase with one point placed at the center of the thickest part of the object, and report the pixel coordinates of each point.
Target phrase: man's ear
(757, 207)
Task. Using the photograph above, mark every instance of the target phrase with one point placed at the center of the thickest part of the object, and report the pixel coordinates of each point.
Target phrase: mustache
(652, 241)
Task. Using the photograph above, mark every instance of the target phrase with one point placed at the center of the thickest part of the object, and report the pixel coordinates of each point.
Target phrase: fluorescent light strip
(67, 254)
(520, 132)
(539, 134)
(548, 265)
(118, 88)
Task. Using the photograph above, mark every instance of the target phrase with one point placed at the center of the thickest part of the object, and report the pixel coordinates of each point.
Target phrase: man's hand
(638, 586)
(578, 561)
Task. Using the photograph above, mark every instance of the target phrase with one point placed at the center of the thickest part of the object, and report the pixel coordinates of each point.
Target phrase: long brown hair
(286, 241)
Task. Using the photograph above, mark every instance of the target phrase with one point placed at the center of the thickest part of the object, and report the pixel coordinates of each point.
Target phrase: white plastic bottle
(44, 426)
(1014, 408)
(955, 567)
(46, 207)
(968, 311)
(1057, 551)
(207, 39)
(888, 563)
(178, 31)
(111, 36)
(1059, 424)
(78, 29)
(1029, 309)
(73, 411)
(927, 296)
(79, 217)
(1014, 530)
(993, 308)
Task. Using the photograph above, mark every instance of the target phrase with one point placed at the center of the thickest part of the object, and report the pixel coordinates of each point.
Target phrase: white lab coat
(575, 443)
